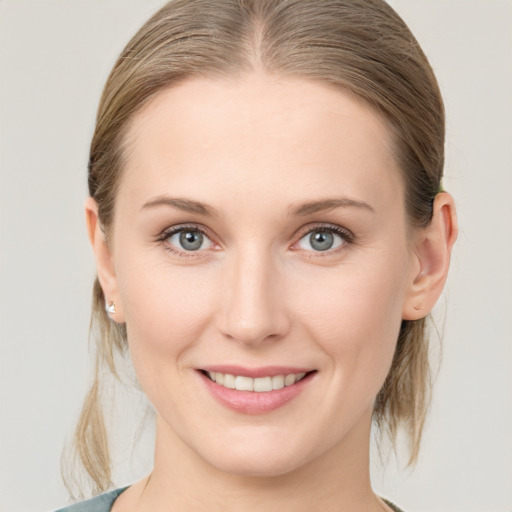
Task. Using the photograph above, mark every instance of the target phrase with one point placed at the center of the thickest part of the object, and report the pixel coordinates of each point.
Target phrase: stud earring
(110, 308)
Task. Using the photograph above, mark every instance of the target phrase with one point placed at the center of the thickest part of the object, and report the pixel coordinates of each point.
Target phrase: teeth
(244, 383)
(278, 382)
(263, 384)
(259, 384)
(289, 379)
(229, 381)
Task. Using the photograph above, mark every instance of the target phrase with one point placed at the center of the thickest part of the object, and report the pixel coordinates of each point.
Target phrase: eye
(188, 239)
(324, 239)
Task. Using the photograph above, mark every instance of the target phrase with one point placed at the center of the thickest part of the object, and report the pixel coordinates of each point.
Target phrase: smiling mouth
(257, 384)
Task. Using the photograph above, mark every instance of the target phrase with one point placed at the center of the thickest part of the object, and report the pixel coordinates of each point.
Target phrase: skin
(257, 293)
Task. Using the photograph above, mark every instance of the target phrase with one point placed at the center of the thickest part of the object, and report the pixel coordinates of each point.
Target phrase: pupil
(191, 240)
(321, 240)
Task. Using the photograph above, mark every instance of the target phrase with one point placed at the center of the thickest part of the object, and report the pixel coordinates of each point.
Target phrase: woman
(270, 234)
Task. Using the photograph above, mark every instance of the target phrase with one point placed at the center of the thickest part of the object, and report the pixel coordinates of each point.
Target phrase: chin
(257, 468)
(253, 459)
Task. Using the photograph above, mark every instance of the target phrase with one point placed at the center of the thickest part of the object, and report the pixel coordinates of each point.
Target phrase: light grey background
(54, 59)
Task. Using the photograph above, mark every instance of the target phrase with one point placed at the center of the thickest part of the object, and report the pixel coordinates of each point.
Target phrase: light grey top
(104, 503)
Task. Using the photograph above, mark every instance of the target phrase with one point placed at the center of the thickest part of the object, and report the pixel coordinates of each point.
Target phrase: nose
(252, 308)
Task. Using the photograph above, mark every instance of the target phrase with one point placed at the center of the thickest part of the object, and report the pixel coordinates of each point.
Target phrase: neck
(337, 481)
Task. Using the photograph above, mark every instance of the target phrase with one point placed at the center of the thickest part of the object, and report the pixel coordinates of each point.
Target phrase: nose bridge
(253, 302)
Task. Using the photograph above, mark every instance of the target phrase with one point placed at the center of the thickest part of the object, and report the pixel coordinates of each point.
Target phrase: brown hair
(359, 45)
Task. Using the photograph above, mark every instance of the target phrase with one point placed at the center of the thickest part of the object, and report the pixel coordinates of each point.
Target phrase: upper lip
(262, 371)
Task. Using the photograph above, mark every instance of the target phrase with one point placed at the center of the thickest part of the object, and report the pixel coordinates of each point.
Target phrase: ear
(104, 259)
(433, 247)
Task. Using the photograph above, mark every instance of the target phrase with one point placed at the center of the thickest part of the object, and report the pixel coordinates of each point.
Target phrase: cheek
(165, 309)
(355, 317)
(166, 312)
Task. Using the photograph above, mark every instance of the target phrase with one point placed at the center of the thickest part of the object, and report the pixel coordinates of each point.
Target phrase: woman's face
(260, 232)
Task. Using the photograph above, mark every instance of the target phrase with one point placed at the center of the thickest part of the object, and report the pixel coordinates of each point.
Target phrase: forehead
(257, 133)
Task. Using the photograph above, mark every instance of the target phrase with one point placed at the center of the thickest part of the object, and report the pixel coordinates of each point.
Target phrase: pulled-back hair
(361, 46)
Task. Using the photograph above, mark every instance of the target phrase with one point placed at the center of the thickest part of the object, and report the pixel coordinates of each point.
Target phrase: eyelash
(346, 235)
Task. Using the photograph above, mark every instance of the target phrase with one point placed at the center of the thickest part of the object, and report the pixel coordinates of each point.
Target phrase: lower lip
(253, 402)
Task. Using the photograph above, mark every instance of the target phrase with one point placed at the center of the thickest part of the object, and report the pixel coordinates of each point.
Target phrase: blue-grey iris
(321, 240)
(191, 240)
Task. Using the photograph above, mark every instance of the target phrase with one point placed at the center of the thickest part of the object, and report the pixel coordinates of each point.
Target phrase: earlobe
(104, 261)
(433, 251)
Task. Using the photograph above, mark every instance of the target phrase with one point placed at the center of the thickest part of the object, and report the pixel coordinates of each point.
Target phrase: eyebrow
(199, 208)
(187, 205)
(329, 204)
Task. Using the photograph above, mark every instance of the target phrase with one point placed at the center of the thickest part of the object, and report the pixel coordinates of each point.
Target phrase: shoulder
(101, 503)
(392, 506)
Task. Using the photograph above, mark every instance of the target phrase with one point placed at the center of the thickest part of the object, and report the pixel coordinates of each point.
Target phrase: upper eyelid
(183, 227)
(339, 230)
